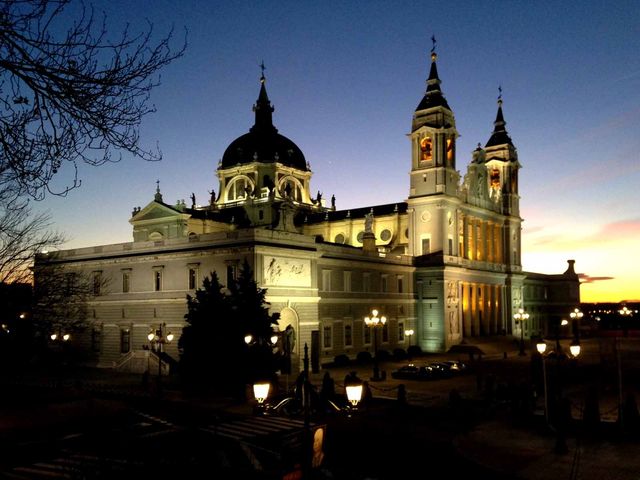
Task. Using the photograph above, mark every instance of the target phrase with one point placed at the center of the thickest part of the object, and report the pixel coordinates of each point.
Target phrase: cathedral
(442, 265)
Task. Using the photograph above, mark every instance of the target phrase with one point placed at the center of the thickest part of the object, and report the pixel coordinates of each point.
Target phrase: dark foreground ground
(96, 424)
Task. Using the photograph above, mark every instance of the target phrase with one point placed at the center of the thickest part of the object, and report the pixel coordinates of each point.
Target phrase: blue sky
(345, 78)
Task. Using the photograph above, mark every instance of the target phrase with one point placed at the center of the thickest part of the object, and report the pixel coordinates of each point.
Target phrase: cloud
(584, 278)
(615, 230)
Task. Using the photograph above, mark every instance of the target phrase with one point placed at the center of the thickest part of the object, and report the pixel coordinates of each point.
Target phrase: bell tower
(433, 178)
(433, 141)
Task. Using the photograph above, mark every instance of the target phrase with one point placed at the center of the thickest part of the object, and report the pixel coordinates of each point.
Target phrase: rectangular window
(126, 282)
(426, 246)
(385, 333)
(97, 283)
(157, 280)
(348, 335)
(70, 281)
(326, 280)
(367, 335)
(450, 246)
(232, 272)
(400, 283)
(366, 282)
(96, 339)
(384, 283)
(125, 340)
(401, 331)
(193, 278)
(347, 281)
(326, 337)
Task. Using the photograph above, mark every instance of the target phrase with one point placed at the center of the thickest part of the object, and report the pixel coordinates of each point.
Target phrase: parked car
(456, 366)
(441, 369)
(412, 372)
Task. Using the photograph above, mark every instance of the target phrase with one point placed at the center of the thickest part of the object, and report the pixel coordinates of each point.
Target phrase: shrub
(341, 360)
(399, 354)
(414, 350)
(364, 357)
(383, 355)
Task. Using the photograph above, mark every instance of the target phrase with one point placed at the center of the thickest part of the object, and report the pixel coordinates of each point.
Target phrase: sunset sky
(345, 78)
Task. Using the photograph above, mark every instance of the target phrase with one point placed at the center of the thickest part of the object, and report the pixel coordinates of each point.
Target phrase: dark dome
(263, 143)
(264, 147)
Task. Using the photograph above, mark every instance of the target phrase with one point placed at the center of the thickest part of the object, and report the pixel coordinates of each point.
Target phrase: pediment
(155, 211)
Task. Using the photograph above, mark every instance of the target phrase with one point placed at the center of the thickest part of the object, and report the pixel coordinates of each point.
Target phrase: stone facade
(445, 262)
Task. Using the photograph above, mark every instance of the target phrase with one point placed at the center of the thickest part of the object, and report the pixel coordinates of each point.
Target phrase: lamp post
(158, 338)
(520, 317)
(373, 322)
(576, 315)
(409, 333)
(541, 346)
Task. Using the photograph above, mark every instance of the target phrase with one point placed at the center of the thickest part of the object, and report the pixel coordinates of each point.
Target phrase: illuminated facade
(445, 262)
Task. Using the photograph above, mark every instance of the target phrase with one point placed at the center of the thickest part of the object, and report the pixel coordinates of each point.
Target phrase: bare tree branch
(75, 98)
(61, 294)
(22, 236)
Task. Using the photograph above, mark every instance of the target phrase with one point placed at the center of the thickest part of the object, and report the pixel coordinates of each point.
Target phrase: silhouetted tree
(251, 311)
(70, 91)
(22, 236)
(212, 345)
(16, 327)
(209, 338)
(61, 295)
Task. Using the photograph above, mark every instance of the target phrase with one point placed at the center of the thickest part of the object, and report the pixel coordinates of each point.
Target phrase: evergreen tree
(213, 350)
(205, 337)
(250, 311)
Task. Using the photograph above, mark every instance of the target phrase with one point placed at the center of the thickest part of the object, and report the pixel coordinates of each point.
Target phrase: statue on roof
(212, 200)
(333, 202)
(193, 200)
(368, 223)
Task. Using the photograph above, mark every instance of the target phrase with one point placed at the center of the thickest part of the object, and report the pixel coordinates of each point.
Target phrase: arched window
(291, 187)
(495, 179)
(426, 147)
(238, 188)
(450, 150)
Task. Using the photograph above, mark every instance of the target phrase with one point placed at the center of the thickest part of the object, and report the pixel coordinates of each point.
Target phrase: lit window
(426, 148)
(232, 273)
(401, 331)
(450, 149)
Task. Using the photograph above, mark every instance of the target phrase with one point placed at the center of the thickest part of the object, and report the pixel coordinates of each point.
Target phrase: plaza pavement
(497, 444)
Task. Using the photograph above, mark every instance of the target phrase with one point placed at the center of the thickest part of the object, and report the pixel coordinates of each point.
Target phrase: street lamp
(409, 333)
(520, 317)
(541, 346)
(373, 322)
(158, 338)
(60, 337)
